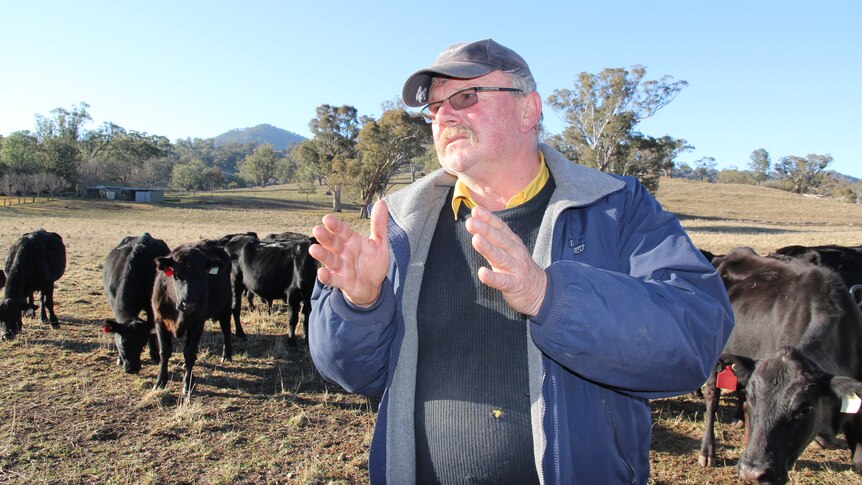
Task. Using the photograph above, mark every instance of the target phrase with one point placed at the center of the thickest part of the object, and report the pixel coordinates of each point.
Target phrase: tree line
(356, 156)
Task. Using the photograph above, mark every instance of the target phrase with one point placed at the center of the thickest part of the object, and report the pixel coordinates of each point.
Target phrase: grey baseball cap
(463, 61)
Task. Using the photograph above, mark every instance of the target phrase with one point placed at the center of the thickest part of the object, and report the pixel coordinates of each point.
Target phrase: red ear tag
(106, 329)
(726, 380)
(169, 271)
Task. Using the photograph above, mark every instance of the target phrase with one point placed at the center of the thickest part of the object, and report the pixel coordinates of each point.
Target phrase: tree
(65, 124)
(21, 154)
(39, 183)
(803, 173)
(648, 158)
(8, 186)
(260, 166)
(29, 184)
(286, 169)
(53, 183)
(212, 178)
(89, 174)
(306, 187)
(705, 169)
(126, 153)
(61, 157)
(188, 176)
(760, 164)
(335, 131)
(154, 172)
(734, 176)
(385, 146)
(602, 112)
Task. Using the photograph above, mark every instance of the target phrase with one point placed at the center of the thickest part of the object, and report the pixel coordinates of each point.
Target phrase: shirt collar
(461, 195)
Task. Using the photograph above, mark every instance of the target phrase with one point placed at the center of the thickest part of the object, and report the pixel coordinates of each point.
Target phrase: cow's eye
(805, 410)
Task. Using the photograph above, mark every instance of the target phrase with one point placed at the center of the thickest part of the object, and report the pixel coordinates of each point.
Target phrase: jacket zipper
(556, 430)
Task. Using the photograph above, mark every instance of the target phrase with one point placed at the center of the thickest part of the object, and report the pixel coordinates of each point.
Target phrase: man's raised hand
(352, 262)
(513, 271)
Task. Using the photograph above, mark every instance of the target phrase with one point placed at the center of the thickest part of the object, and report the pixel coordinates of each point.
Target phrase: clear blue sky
(779, 75)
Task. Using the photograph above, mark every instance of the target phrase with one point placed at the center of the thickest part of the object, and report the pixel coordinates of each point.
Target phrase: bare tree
(153, 172)
(19, 185)
(53, 184)
(33, 183)
(89, 174)
(7, 185)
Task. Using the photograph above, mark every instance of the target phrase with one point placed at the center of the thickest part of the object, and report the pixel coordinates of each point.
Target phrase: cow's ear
(142, 325)
(845, 387)
(164, 262)
(215, 266)
(112, 326)
(741, 366)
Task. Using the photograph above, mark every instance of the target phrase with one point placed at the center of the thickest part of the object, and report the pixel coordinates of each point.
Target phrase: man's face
(469, 140)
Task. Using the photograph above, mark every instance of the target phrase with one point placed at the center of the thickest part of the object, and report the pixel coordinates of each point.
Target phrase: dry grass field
(68, 414)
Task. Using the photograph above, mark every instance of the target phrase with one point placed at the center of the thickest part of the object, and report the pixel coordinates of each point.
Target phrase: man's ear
(531, 113)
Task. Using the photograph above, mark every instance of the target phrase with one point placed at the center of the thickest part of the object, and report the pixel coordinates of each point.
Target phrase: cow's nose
(759, 474)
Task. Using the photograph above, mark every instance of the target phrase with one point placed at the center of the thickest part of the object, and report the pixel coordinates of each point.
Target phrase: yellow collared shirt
(462, 193)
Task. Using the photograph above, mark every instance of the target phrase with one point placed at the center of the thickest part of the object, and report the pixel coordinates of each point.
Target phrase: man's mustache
(455, 131)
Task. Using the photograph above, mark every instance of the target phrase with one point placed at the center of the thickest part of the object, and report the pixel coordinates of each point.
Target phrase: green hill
(260, 134)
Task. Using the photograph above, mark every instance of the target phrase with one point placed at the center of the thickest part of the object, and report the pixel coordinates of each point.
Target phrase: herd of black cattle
(794, 359)
(176, 290)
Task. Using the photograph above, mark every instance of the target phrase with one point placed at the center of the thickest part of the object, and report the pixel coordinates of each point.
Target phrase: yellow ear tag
(851, 404)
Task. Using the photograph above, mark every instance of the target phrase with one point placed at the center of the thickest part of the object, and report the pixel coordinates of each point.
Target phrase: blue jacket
(632, 312)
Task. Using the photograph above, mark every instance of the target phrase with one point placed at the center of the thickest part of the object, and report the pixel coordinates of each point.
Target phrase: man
(516, 310)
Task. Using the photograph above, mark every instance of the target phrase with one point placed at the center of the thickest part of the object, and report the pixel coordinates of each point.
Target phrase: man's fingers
(496, 256)
(485, 223)
(326, 258)
(498, 281)
(379, 221)
(324, 275)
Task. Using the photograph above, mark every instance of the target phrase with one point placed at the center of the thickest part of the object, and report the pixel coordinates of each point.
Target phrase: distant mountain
(840, 176)
(260, 134)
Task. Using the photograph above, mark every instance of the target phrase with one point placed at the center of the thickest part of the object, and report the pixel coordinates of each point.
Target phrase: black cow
(285, 237)
(237, 284)
(795, 351)
(34, 263)
(128, 276)
(277, 270)
(192, 285)
(844, 260)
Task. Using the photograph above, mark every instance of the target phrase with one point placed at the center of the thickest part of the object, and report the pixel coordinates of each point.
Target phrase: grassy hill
(721, 216)
(264, 133)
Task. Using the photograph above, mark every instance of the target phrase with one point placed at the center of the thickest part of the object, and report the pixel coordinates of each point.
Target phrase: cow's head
(130, 339)
(790, 401)
(10, 318)
(189, 269)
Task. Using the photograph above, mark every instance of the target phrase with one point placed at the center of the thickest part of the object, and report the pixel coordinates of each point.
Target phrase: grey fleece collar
(576, 184)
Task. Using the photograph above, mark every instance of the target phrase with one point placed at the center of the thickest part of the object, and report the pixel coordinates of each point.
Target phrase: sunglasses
(461, 99)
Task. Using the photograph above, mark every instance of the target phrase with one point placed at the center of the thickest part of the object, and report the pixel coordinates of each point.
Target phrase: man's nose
(446, 113)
